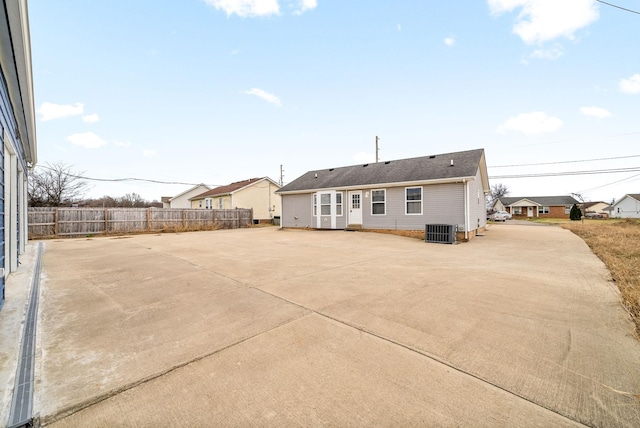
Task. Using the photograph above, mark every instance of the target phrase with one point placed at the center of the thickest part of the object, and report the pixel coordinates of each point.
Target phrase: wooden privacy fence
(59, 222)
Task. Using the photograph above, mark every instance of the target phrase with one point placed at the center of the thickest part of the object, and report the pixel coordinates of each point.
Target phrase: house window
(413, 202)
(517, 210)
(378, 198)
(220, 203)
(325, 204)
(338, 203)
(208, 203)
(315, 205)
(355, 201)
(200, 203)
(543, 210)
(567, 209)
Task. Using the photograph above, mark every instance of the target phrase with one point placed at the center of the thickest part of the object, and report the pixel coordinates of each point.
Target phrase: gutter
(379, 185)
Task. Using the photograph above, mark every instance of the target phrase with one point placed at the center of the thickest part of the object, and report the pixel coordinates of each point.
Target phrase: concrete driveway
(269, 327)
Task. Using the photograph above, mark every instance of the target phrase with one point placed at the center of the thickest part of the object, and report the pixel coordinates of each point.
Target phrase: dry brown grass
(617, 244)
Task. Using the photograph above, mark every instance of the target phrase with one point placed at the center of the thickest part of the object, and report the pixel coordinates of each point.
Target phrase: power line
(113, 180)
(609, 184)
(560, 162)
(619, 7)
(568, 173)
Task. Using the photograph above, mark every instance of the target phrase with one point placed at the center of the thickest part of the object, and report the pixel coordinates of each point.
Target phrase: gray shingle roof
(425, 168)
(545, 201)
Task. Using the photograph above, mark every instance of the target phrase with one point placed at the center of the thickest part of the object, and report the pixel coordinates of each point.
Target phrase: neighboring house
(536, 206)
(183, 199)
(258, 194)
(17, 131)
(403, 194)
(627, 207)
(599, 208)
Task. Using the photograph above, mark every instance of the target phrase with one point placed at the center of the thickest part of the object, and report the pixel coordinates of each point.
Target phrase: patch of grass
(617, 244)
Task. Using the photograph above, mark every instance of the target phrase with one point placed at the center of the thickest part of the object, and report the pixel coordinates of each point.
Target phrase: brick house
(536, 206)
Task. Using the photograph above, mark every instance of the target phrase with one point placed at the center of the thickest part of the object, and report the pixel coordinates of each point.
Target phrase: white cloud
(631, 85)
(596, 112)
(88, 140)
(399, 27)
(121, 143)
(149, 153)
(540, 21)
(531, 123)
(364, 157)
(549, 54)
(450, 41)
(246, 8)
(50, 111)
(270, 98)
(305, 5)
(90, 118)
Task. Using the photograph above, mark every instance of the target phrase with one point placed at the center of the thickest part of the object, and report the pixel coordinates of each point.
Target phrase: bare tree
(55, 185)
(132, 200)
(497, 191)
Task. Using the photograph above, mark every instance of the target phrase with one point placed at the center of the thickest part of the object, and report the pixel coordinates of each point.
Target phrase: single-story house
(598, 208)
(258, 194)
(182, 200)
(404, 194)
(17, 133)
(536, 206)
(627, 207)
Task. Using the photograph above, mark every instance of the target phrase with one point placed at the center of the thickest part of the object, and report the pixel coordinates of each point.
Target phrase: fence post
(56, 227)
(106, 221)
(148, 219)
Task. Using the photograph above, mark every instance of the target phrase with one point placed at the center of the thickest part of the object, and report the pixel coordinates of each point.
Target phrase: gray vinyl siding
(301, 206)
(441, 204)
(296, 211)
(477, 209)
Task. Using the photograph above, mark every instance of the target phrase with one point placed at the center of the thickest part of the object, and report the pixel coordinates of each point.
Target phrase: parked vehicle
(506, 214)
(499, 216)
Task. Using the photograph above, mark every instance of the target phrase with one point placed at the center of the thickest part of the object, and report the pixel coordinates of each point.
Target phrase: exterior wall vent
(440, 233)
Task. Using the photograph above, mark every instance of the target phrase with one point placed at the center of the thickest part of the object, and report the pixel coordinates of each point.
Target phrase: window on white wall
(413, 196)
(325, 204)
(378, 202)
(315, 204)
(339, 203)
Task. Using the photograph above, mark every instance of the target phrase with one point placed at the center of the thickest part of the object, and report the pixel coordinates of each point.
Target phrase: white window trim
(406, 201)
(541, 210)
(314, 205)
(385, 201)
(341, 204)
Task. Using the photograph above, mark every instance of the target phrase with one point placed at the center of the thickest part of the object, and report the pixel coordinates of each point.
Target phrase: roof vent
(365, 165)
(451, 162)
(432, 157)
(331, 169)
(316, 175)
(387, 162)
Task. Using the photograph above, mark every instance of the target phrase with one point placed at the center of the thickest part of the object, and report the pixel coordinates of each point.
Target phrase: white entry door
(529, 211)
(355, 208)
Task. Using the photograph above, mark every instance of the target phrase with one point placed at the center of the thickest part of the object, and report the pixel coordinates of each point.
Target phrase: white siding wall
(626, 208)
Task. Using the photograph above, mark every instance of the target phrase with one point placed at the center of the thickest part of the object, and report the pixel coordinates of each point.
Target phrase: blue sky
(216, 91)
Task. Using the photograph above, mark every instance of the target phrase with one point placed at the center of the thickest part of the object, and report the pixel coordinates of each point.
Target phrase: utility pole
(281, 175)
(377, 149)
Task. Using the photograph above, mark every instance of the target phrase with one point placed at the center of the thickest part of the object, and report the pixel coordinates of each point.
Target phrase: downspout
(465, 185)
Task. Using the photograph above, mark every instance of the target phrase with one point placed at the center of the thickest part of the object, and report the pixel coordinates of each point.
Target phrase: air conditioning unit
(440, 233)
